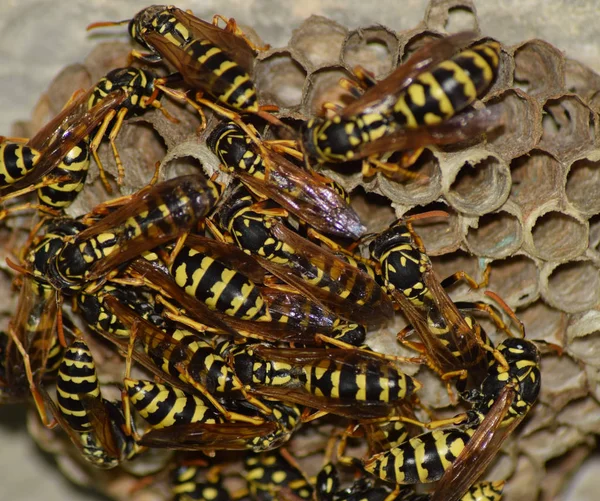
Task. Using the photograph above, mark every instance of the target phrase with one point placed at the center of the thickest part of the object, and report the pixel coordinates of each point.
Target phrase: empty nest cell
(536, 179)
(541, 321)
(374, 48)
(319, 40)
(573, 286)
(280, 78)
(452, 16)
(583, 184)
(480, 185)
(557, 236)
(521, 129)
(515, 280)
(539, 69)
(495, 235)
(568, 127)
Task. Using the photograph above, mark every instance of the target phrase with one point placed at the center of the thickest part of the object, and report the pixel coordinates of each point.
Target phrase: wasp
(417, 105)
(310, 196)
(216, 61)
(454, 343)
(328, 280)
(148, 219)
(139, 87)
(351, 383)
(58, 154)
(274, 475)
(94, 424)
(186, 485)
(180, 420)
(458, 455)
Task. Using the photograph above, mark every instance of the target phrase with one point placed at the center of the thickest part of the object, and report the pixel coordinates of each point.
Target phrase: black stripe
(454, 90)
(475, 73)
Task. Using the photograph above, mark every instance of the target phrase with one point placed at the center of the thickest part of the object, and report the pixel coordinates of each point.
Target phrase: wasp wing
(479, 451)
(383, 95)
(304, 195)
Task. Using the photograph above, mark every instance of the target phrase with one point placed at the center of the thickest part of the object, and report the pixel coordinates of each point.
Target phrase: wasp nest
(525, 200)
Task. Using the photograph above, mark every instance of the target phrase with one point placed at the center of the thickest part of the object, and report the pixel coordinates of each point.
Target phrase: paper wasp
(351, 383)
(325, 278)
(149, 218)
(455, 345)
(58, 154)
(458, 455)
(310, 196)
(95, 425)
(274, 475)
(417, 105)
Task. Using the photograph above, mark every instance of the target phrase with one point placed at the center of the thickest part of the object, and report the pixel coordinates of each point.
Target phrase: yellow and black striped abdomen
(70, 177)
(16, 161)
(448, 88)
(421, 459)
(228, 82)
(188, 486)
(76, 377)
(218, 286)
(363, 381)
(161, 405)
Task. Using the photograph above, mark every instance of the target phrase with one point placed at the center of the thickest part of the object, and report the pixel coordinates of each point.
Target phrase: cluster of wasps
(247, 308)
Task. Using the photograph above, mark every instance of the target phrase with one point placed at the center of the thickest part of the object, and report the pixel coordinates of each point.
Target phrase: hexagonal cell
(544, 322)
(323, 86)
(422, 189)
(520, 130)
(525, 483)
(558, 236)
(568, 127)
(539, 69)
(515, 280)
(536, 177)
(439, 234)
(479, 186)
(581, 80)
(583, 184)
(573, 286)
(280, 79)
(374, 48)
(568, 381)
(452, 16)
(319, 40)
(495, 235)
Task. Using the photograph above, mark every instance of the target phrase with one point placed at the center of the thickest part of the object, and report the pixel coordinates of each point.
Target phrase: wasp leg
(232, 26)
(383, 356)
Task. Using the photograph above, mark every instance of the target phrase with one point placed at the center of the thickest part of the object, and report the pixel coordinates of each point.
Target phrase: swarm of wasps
(248, 307)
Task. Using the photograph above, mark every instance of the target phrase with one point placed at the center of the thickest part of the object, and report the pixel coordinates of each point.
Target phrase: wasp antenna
(104, 24)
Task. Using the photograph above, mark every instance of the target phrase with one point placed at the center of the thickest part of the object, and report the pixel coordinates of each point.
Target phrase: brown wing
(456, 129)
(479, 451)
(101, 423)
(463, 336)
(203, 436)
(267, 331)
(64, 131)
(166, 222)
(439, 356)
(33, 325)
(233, 45)
(384, 94)
(229, 254)
(305, 196)
(347, 408)
(364, 301)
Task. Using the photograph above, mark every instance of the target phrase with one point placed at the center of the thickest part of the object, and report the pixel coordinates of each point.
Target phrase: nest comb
(525, 200)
